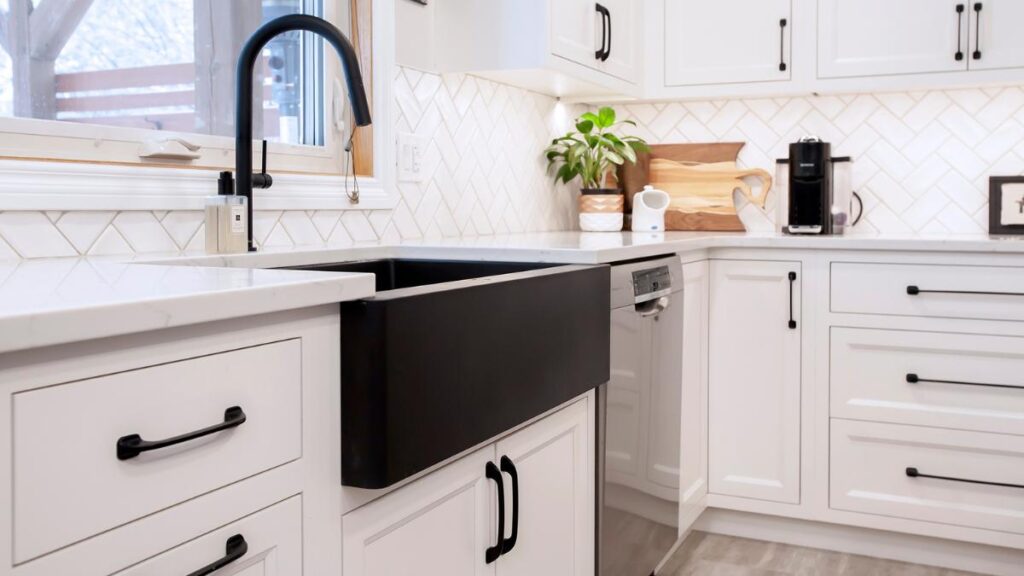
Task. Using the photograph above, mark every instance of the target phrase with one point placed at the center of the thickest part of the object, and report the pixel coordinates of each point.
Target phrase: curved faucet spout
(244, 91)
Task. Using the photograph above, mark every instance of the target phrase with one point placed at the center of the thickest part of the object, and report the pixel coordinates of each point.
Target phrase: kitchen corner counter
(47, 302)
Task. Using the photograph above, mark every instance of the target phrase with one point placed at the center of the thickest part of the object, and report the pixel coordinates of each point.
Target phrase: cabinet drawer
(66, 438)
(964, 381)
(870, 473)
(271, 540)
(939, 291)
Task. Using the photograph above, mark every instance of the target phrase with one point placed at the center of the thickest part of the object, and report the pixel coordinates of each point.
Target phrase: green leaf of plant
(639, 145)
(613, 157)
(628, 153)
(592, 117)
(606, 117)
(585, 126)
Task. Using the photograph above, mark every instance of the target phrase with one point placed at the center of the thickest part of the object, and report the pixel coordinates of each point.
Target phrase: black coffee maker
(810, 187)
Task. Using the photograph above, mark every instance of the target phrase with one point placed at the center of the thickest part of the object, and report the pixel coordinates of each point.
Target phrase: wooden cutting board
(700, 179)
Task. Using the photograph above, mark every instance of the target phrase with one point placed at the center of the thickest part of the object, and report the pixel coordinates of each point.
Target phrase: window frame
(36, 140)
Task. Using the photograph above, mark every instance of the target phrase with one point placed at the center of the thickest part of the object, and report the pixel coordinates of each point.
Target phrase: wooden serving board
(700, 179)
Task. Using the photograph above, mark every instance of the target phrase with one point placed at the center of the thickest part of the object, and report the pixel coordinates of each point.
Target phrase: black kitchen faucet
(246, 180)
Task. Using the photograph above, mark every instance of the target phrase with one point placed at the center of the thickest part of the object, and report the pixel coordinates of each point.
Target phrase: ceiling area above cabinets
(613, 50)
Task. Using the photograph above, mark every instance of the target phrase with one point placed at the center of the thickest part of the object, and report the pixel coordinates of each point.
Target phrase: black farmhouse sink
(449, 354)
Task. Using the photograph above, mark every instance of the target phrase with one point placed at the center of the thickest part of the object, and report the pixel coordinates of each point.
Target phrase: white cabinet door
(754, 380)
(440, 524)
(726, 41)
(880, 37)
(553, 463)
(623, 39)
(576, 31)
(996, 41)
(693, 460)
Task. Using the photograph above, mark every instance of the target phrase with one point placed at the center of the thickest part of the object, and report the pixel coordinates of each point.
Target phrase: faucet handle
(263, 180)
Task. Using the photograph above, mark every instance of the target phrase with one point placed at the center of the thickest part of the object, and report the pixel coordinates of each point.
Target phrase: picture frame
(1006, 205)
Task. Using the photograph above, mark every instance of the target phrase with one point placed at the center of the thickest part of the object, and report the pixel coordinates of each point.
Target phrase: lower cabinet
(754, 380)
(266, 543)
(521, 506)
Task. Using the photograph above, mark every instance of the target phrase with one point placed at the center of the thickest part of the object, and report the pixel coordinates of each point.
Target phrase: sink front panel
(427, 374)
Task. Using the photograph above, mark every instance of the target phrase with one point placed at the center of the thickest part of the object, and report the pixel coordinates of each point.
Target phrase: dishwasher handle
(654, 307)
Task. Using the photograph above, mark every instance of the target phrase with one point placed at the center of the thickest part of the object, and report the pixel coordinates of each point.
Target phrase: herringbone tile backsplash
(921, 159)
(921, 162)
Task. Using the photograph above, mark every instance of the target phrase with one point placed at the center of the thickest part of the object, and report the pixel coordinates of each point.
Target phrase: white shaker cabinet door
(576, 31)
(553, 465)
(754, 380)
(623, 41)
(440, 524)
(996, 39)
(883, 37)
(727, 41)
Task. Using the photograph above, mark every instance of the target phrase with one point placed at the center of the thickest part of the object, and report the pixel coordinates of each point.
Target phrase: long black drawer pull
(782, 44)
(914, 379)
(235, 548)
(130, 446)
(914, 291)
(509, 468)
(913, 473)
(977, 31)
(493, 552)
(959, 32)
(792, 280)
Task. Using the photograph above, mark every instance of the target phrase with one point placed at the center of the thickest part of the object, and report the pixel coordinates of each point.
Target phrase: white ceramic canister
(649, 207)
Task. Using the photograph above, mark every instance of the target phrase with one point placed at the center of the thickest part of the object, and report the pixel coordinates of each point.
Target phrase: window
(120, 72)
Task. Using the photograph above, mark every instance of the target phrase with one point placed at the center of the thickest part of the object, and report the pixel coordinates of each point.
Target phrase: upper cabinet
(874, 37)
(997, 42)
(572, 48)
(727, 41)
(881, 37)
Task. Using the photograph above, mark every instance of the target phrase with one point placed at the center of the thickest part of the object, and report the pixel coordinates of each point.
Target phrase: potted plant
(591, 153)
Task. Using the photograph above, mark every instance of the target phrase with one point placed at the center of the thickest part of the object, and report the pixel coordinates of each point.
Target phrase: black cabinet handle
(509, 468)
(608, 48)
(235, 548)
(130, 446)
(959, 32)
(792, 280)
(782, 44)
(493, 552)
(605, 25)
(914, 473)
(914, 379)
(915, 291)
(977, 30)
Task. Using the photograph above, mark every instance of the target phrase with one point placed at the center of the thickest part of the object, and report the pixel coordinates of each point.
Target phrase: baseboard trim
(912, 548)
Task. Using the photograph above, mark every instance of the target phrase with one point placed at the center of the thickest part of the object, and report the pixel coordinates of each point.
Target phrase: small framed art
(1006, 205)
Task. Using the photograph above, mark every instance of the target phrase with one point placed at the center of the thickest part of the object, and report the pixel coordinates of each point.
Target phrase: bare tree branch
(3, 32)
(53, 23)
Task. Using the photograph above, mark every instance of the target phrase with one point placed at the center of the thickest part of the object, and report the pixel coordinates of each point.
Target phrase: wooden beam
(221, 28)
(53, 23)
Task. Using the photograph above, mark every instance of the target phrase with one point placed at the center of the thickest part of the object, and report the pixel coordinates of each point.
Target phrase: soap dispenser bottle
(225, 219)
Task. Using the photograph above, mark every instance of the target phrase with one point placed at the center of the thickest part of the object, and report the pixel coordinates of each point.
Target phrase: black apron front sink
(449, 354)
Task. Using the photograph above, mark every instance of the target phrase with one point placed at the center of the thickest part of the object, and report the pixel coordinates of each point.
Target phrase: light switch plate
(411, 149)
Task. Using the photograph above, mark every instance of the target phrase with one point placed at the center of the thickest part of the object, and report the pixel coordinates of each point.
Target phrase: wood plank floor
(715, 555)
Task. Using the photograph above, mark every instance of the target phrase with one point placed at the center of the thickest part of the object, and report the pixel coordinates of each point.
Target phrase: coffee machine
(819, 195)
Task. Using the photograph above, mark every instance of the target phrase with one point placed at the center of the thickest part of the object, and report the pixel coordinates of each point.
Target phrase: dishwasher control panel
(651, 283)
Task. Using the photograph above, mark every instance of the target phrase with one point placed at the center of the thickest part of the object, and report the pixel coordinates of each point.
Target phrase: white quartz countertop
(58, 301)
(46, 302)
(601, 247)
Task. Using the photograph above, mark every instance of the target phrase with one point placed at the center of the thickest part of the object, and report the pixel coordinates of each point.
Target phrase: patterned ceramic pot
(601, 210)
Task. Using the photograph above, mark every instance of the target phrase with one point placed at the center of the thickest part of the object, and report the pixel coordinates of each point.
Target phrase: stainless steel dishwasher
(638, 420)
